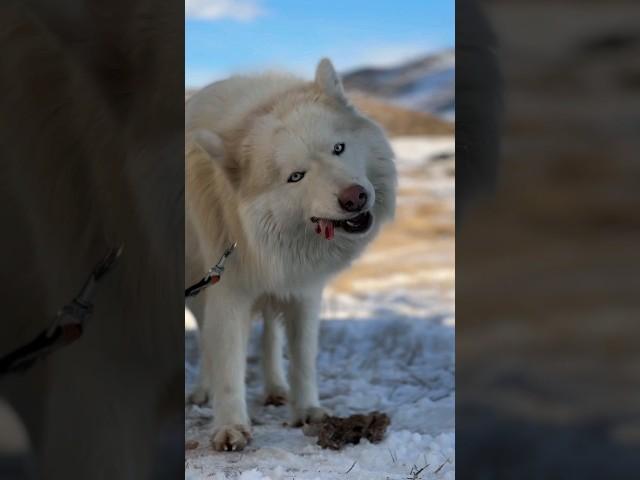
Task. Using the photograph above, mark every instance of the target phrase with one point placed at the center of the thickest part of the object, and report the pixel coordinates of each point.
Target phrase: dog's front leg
(226, 333)
(302, 317)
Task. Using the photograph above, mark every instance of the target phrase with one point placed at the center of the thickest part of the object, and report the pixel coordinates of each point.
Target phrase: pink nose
(353, 198)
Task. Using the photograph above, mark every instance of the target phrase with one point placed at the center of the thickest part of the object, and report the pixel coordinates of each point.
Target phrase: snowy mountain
(426, 84)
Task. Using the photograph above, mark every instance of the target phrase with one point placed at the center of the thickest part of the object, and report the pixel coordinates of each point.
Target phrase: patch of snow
(426, 168)
(416, 152)
(397, 357)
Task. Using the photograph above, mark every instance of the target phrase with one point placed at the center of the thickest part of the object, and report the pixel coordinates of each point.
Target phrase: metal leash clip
(213, 275)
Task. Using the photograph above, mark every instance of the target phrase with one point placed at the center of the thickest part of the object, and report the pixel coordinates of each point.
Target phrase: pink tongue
(327, 227)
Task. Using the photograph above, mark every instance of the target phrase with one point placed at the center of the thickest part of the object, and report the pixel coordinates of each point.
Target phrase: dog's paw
(200, 396)
(231, 438)
(309, 415)
(276, 396)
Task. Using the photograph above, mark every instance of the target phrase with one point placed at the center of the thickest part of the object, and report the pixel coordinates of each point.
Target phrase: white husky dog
(302, 181)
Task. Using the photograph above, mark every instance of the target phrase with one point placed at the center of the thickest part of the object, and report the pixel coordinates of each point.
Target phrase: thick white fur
(245, 136)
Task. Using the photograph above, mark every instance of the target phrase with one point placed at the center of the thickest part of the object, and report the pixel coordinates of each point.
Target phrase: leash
(213, 275)
(67, 326)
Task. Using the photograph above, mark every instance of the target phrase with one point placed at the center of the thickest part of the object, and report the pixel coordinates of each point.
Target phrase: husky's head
(315, 178)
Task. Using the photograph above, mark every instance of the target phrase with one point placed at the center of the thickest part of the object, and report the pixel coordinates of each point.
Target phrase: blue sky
(231, 36)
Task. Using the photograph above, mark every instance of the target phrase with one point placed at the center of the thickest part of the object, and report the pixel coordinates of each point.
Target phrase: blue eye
(338, 148)
(296, 177)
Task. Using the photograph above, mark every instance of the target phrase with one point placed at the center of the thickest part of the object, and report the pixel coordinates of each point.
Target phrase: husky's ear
(210, 143)
(328, 80)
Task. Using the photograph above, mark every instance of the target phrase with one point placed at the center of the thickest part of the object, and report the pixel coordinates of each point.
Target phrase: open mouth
(358, 224)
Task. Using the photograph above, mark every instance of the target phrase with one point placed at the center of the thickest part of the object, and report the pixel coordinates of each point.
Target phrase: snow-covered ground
(387, 343)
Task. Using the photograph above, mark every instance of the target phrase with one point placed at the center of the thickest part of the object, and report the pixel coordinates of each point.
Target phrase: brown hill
(397, 121)
(400, 121)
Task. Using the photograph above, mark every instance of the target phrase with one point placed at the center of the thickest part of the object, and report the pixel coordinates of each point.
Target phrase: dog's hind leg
(275, 385)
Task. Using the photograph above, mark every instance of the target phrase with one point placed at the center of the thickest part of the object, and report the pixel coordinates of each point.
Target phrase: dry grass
(417, 248)
(400, 121)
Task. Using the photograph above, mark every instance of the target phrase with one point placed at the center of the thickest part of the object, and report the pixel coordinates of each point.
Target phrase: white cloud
(241, 10)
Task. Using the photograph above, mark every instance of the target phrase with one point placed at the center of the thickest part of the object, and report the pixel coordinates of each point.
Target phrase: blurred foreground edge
(547, 304)
(91, 141)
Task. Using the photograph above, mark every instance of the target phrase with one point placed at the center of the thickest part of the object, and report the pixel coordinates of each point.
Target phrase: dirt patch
(191, 444)
(336, 432)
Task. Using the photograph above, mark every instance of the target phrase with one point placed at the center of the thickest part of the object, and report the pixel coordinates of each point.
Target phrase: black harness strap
(196, 288)
(213, 275)
(67, 326)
